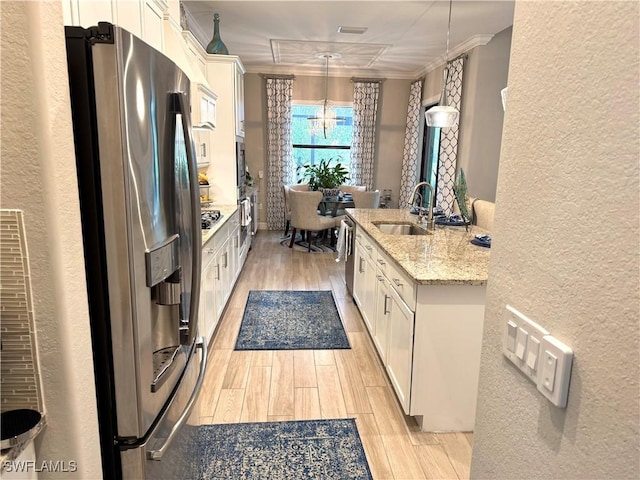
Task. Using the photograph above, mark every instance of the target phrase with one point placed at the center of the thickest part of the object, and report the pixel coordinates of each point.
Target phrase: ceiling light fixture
(443, 115)
(324, 120)
(354, 30)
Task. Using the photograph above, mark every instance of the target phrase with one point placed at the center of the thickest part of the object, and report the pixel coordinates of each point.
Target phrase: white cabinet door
(152, 31)
(208, 318)
(239, 101)
(234, 254)
(369, 307)
(400, 348)
(360, 280)
(222, 278)
(381, 327)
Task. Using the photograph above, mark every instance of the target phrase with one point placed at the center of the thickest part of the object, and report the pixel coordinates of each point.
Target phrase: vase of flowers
(327, 176)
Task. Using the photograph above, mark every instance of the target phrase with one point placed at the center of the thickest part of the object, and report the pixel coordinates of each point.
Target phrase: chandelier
(324, 119)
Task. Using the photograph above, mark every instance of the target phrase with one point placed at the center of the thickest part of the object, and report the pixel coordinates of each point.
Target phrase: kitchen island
(422, 299)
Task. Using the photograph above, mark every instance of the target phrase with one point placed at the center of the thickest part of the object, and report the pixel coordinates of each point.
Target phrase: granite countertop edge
(445, 257)
(226, 211)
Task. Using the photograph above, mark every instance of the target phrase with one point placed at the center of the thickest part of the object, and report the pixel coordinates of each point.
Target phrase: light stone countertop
(226, 211)
(444, 258)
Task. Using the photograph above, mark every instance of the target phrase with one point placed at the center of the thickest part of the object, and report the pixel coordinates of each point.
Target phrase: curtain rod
(367, 80)
(274, 75)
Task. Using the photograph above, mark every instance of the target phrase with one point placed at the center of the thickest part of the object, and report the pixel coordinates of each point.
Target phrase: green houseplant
(323, 175)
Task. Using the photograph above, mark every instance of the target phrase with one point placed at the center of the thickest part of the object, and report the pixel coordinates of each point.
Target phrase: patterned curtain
(412, 141)
(449, 141)
(279, 148)
(365, 109)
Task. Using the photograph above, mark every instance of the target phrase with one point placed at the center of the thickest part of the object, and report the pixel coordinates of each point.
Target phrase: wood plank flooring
(260, 386)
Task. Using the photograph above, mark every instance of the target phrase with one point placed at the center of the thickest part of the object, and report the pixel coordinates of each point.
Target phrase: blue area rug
(311, 449)
(291, 320)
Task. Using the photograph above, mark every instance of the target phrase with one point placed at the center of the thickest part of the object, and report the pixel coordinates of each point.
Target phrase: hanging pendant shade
(443, 115)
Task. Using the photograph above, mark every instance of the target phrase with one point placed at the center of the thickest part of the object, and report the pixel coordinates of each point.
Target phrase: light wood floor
(260, 386)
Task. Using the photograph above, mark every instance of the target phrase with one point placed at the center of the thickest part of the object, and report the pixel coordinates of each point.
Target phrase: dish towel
(245, 212)
(341, 244)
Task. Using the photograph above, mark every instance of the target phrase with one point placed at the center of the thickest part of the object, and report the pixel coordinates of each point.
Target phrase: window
(430, 157)
(309, 148)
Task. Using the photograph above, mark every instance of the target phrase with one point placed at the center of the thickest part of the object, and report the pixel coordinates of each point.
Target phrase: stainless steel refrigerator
(140, 212)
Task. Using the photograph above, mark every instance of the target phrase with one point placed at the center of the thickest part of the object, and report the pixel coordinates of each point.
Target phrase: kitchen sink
(400, 229)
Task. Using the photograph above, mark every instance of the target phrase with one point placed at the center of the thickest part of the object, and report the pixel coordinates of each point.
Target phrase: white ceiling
(403, 40)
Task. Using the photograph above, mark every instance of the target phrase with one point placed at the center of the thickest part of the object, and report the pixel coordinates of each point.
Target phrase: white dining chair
(304, 215)
(352, 188)
(366, 199)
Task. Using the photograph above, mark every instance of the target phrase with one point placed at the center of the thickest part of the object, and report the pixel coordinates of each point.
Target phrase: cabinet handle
(382, 262)
(217, 271)
(380, 278)
(226, 261)
(397, 282)
(386, 297)
(210, 251)
(203, 151)
(360, 267)
(368, 247)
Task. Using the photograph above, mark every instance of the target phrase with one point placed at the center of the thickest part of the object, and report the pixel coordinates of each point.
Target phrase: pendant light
(443, 115)
(324, 119)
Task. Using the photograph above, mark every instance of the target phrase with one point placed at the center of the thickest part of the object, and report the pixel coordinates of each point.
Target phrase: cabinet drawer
(234, 220)
(208, 254)
(368, 245)
(401, 282)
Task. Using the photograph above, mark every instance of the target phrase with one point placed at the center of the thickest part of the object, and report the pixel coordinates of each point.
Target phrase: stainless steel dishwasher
(351, 251)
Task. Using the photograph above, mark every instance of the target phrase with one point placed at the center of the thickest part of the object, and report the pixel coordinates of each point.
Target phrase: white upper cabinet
(204, 107)
(226, 75)
(143, 18)
(152, 13)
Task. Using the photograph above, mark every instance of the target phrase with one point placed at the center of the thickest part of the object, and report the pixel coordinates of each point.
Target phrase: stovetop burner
(209, 218)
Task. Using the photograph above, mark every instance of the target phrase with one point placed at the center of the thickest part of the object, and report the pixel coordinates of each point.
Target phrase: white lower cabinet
(399, 358)
(428, 337)
(221, 265)
(380, 331)
(207, 314)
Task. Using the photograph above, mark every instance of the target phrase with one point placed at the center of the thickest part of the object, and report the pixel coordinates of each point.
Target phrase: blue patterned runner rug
(312, 449)
(291, 320)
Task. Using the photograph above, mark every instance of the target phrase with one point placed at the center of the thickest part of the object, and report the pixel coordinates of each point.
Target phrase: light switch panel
(556, 359)
(524, 353)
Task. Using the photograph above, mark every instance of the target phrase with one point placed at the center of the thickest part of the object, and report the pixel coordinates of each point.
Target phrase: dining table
(331, 205)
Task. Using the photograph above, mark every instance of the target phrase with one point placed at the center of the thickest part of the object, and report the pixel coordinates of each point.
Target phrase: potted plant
(324, 176)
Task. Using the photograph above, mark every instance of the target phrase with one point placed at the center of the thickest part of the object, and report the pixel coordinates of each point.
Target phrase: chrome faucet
(430, 222)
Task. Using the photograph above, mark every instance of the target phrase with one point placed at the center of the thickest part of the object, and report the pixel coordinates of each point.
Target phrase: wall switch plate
(556, 359)
(523, 349)
(544, 359)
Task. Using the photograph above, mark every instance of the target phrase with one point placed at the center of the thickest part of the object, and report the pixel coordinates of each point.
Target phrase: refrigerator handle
(158, 453)
(196, 235)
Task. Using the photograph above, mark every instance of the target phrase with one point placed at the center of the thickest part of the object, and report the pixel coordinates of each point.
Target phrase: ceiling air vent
(355, 30)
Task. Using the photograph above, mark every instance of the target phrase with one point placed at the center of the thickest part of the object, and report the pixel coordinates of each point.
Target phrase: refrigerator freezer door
(149, 189)
(169, 453)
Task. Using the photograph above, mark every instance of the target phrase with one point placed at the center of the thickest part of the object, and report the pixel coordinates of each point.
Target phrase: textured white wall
(566, 245)
(38, 177)
(481, 116)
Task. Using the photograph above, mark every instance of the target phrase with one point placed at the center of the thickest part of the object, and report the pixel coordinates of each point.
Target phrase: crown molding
(306, 71)
(469, 44)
